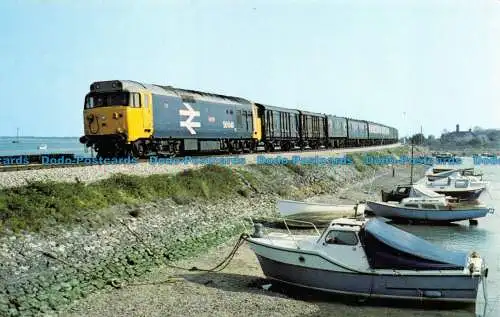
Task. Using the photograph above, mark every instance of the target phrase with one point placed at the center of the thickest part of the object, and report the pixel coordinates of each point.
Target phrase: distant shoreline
(39, 137)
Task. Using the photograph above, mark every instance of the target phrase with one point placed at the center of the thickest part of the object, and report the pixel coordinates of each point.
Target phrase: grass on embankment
(42, 204)
(358, 158)
(45, 204)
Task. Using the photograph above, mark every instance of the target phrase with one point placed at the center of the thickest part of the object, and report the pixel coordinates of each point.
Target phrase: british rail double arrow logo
(191, 113)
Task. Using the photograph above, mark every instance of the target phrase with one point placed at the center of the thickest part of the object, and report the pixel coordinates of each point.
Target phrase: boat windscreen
(390, 237)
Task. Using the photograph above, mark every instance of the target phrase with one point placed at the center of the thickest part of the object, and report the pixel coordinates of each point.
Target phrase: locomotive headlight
(119, 130)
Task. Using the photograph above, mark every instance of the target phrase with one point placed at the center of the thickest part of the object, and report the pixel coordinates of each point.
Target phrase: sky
(407, 64)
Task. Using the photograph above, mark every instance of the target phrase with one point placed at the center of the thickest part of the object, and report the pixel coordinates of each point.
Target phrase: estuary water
(29, 145)
(483, 238)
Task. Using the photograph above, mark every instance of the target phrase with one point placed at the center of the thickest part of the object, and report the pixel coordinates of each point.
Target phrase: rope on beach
(116, 283)
(219, 267)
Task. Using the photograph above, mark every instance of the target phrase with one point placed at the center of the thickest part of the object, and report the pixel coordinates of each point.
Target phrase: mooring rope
(117, 284)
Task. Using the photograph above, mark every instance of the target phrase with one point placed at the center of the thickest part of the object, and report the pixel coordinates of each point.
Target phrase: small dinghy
(319, 214)
(369, 258)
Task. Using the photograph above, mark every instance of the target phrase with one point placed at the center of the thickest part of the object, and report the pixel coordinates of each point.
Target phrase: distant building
(458, 136)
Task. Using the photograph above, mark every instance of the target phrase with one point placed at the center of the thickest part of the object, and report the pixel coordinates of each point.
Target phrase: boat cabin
(425, 203)
(374, 244)
(397, 194)
(447, 182)
(342, 232)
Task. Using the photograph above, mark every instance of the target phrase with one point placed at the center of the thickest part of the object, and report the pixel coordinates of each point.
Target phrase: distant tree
(493, 135)
(475, 142)
(431, 139)
(418, 139)
(477, 129)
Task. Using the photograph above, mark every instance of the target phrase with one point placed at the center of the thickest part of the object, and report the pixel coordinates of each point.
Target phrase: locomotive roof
(135, 86)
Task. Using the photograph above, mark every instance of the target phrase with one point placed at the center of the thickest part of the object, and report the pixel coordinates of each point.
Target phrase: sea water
(29, 145)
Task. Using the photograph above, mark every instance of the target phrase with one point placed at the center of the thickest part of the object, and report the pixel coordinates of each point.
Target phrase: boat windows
(403, 190)
(428, 206)
(411, 205)
(461, 184)
(341, 237)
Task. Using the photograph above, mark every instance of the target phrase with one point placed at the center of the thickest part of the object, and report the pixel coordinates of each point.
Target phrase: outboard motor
(258, 231)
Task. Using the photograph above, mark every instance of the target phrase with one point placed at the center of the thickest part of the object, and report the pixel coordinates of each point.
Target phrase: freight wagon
(357, 132)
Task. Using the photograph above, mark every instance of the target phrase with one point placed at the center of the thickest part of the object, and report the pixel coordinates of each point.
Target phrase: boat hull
(462, 195)
(290, 208)
(449, 288)
(303, 214)
(396, 212)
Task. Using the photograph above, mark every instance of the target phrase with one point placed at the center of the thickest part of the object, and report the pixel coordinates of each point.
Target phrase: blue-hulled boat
(426, 205)
(369, 258)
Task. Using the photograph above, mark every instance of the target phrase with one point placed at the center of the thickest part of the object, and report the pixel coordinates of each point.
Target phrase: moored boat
(316, 213)
(463, 188)
(469, 173)
(460, 187)
(369, 258)
(428, 209)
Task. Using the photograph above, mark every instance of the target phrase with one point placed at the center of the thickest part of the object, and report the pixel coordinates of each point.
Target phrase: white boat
(42, 147)
(455, 185)
(291, 208)
(469, 173)
(369, 258)
(422, 204)
(437, 209)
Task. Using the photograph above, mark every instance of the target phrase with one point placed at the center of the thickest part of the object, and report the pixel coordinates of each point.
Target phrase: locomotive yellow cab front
(115, 118)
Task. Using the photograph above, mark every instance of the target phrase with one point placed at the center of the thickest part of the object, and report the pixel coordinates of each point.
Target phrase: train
(130, 118)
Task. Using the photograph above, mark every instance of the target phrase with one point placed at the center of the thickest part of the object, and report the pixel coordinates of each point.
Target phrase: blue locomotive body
(182, 114)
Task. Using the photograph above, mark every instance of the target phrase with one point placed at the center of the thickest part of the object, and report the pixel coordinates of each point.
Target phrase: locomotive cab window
(89, 102)
(107, 100)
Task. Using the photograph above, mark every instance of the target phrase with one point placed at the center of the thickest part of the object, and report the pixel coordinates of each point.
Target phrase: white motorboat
(369, 258)
(455, 185)
(469, 173)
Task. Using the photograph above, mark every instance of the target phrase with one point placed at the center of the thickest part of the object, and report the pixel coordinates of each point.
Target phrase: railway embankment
(62, 241)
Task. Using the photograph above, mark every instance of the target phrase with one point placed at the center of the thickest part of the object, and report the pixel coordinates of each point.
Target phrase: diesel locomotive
(123, 117)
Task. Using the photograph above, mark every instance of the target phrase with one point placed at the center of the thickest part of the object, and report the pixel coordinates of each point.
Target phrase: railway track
(250, 157)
